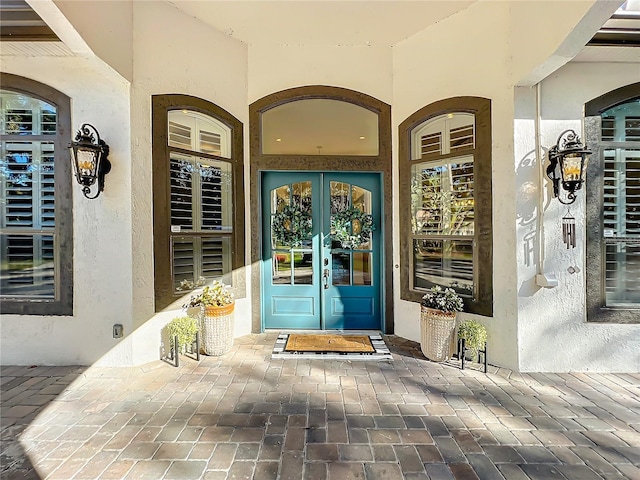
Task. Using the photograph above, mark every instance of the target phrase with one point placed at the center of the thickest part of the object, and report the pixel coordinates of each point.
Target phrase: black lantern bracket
(90, 162)
(567, 165)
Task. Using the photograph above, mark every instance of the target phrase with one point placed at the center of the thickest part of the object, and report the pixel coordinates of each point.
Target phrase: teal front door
(320, 260)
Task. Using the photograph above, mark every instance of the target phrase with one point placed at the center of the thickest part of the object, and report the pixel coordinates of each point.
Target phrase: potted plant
(216, 306)
(183, 329)
(438, 314)
(475, 337)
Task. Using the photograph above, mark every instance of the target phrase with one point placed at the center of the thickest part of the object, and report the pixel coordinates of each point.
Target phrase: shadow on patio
(245, 415)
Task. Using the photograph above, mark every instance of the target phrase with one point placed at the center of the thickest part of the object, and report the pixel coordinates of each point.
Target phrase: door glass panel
(280, 198)
(319, 126)
(448, 263)
(341, 269)
(303, 267)
(281, 268)
(361, 268)
(361, 199)
(339, 197)
(291, 256)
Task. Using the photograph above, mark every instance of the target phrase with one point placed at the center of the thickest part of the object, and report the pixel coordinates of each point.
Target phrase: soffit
(335, 23)
(608, 54)
(618, 40)
(19, 22)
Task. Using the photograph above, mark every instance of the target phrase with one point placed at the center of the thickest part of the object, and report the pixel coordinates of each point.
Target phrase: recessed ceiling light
(361, 138)
(278, 139)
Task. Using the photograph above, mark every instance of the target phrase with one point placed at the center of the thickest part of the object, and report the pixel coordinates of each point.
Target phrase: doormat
(377, 351)
(329, 343)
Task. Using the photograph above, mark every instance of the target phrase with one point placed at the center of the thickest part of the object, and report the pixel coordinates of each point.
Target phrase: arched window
(445, 203)
(36, 230)
(613, 206)
(198, 196)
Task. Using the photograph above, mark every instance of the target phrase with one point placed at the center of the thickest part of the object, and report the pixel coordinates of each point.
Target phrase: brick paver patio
(244, 415)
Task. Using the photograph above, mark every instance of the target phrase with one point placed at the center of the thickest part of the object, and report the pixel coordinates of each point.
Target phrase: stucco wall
(102, 247)
(553, 334)
(424, 74)
(197, 60)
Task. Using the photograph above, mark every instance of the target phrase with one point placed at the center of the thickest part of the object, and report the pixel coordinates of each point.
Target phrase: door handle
(325, 278)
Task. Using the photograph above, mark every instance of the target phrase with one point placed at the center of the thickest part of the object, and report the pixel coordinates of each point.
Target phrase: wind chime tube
(569, 230)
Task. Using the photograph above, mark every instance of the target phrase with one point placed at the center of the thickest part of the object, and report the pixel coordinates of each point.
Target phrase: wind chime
(569, 230)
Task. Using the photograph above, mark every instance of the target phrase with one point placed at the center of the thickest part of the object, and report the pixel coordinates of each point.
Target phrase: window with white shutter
(613, 207)
(35, 207)
(447, 207)
(442, 204)
(197, 236)
(621, 202)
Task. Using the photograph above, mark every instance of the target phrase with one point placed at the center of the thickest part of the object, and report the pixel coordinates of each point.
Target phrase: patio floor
(245, 415)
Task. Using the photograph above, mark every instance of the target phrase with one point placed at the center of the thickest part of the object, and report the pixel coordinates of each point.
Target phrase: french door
(312, 278)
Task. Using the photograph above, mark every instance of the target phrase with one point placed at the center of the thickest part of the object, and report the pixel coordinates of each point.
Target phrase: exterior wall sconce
(90, 162)
(567, 165)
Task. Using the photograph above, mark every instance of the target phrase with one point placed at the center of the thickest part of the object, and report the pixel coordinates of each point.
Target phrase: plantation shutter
(200, 189)
(621, 204)
(28, 188)
(443, 203)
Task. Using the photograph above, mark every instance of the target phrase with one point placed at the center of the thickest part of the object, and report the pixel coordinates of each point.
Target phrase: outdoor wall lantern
(567, 165)
(90, 162)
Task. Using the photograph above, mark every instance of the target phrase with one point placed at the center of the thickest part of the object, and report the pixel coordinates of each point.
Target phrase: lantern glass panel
(572, 167)
(86, 161)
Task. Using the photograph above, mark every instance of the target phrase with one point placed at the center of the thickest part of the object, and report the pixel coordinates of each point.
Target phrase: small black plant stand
(462, 350)
(175, 356)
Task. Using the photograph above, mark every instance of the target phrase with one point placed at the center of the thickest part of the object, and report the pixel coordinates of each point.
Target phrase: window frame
(480, 107)
(164, 290)
(597, 312)
(62, 303)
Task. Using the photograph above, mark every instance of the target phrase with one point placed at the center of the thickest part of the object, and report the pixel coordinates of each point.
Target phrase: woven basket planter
(437, 329)
(216, 329)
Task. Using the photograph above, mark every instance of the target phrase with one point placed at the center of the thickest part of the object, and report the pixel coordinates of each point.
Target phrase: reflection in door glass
(339, 197)
(303, 268)
(341, 269)
(291, 256)
(280, 198)
(281, 268)
(361, 199)
(361, 268)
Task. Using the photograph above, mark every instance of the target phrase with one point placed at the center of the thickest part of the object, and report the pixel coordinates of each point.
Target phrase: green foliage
(351, 227)
(474, 334)
(215, 295)
(292, 225)
(446, 300)
(184, 328)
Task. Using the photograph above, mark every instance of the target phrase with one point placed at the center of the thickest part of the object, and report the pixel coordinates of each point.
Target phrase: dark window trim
(336, 163)
(609, 100)
(161, 104)
(481, 108)
(63, 303)
(595, 295)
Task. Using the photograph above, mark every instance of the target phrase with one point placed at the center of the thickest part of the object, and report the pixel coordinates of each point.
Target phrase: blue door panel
(352, 306)
(293, 305)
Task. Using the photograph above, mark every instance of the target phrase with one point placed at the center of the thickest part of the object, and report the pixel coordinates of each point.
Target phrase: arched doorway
(321, 150)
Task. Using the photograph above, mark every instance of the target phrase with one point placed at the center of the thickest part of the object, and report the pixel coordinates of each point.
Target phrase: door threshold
(337, 331)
